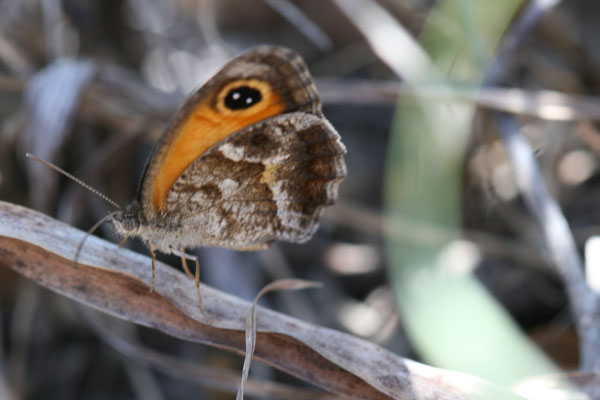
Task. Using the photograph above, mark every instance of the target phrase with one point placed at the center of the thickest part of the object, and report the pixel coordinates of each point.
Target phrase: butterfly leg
(153, 266)
(185, 266)
(122, 242)
(185, 256)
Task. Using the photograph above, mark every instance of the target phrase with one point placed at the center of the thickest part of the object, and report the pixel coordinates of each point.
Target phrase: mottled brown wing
(267, 182)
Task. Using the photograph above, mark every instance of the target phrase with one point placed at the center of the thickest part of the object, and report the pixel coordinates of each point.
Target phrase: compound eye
(129, 222)
(242, 97)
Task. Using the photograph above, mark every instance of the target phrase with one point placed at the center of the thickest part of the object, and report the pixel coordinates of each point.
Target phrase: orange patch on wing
(205, 127)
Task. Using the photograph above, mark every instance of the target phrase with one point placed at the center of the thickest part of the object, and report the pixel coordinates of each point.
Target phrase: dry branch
(116, 281)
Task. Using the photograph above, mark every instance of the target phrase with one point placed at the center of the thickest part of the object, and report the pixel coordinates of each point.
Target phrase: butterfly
(248, 159)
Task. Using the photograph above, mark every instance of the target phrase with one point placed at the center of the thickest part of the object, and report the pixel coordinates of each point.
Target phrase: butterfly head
(127, 221)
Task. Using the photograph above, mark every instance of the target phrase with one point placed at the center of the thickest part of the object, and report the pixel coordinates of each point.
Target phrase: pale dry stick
(110, 279)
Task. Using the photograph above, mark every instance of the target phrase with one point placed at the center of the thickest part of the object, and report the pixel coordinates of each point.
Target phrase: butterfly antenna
(76, 180)
(90, 231)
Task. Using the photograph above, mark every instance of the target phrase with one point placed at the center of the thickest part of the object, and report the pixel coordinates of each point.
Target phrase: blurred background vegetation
(90, 86)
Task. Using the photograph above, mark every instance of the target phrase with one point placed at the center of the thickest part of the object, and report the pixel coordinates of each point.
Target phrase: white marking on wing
(232, 152)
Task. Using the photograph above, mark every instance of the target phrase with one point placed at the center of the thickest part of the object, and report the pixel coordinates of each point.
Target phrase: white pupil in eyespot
(242, 97)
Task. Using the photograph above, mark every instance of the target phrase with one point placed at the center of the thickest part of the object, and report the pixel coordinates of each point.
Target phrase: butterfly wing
(268, 182)
(248, 159)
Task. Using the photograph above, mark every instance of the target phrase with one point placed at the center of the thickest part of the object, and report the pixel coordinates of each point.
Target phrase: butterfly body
(249, 159)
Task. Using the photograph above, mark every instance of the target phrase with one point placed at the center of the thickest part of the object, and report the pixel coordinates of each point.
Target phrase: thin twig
(251, 322)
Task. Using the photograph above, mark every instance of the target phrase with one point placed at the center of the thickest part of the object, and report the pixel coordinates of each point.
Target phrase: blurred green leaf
(451, 318)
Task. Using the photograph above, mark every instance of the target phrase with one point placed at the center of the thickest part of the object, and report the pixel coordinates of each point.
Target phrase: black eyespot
(242, 97)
